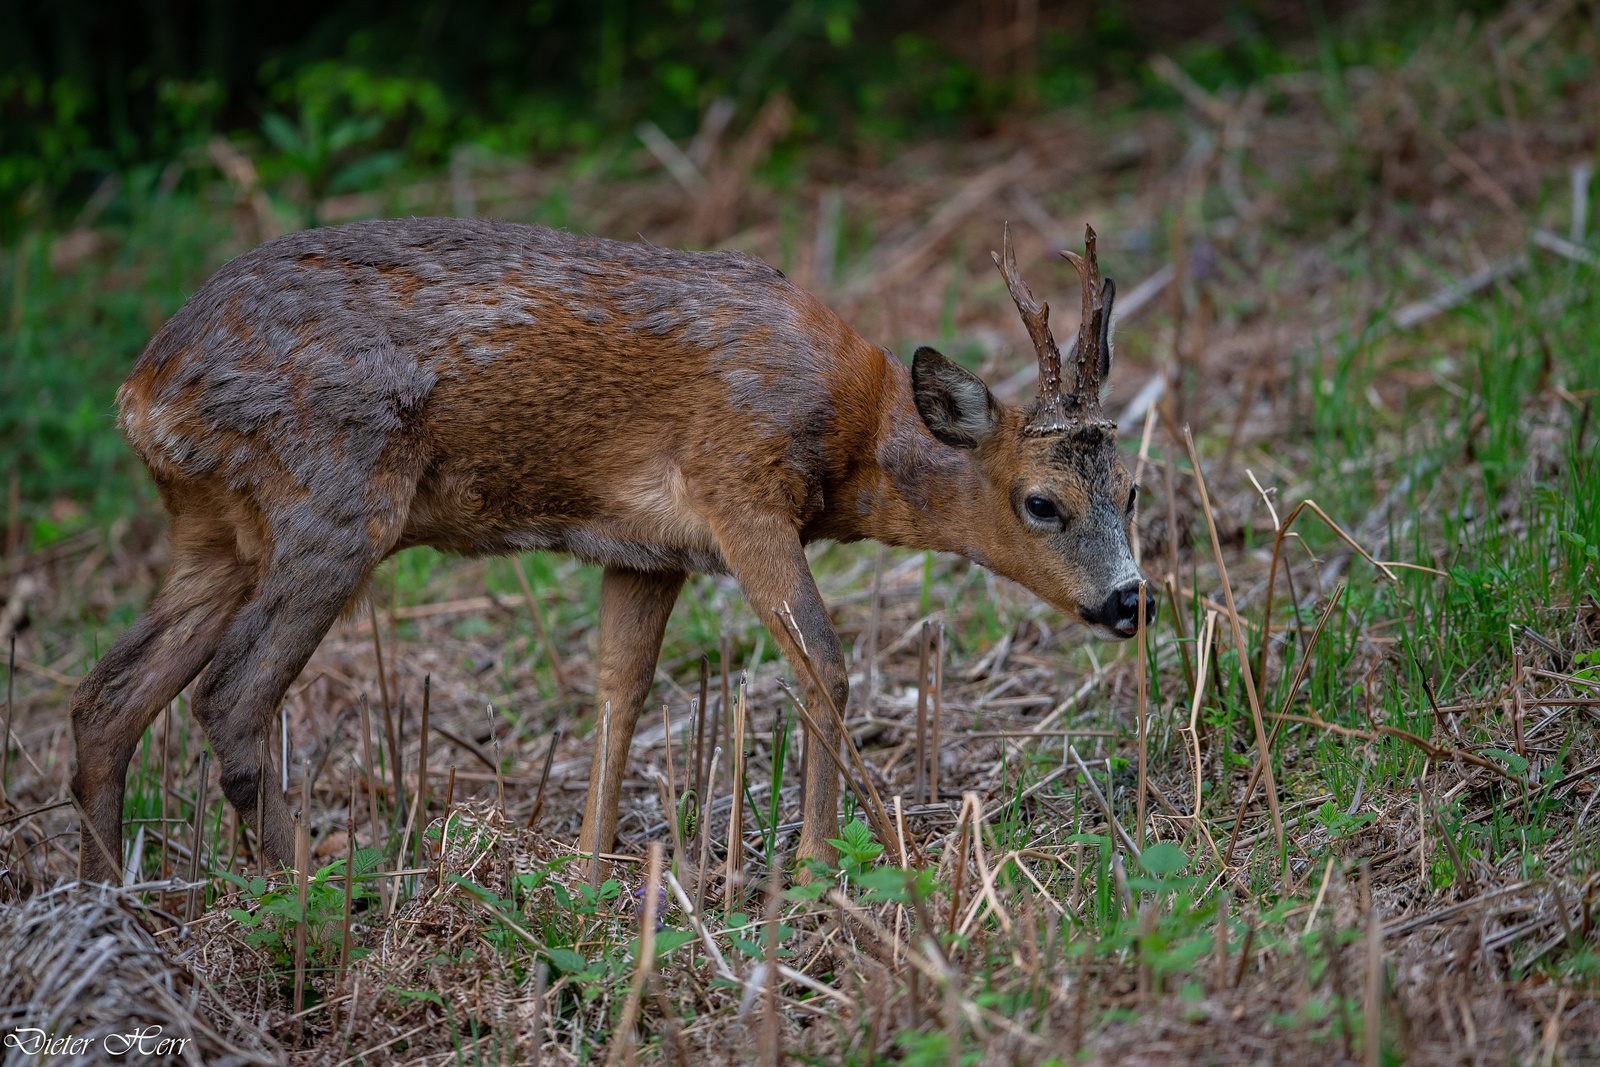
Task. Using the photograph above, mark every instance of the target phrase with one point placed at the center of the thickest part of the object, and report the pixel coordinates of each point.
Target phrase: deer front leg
(770, 563)
(634, 606)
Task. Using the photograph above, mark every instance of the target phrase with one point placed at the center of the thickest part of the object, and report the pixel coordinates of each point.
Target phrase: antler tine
(1086, 384)
(1051, 413)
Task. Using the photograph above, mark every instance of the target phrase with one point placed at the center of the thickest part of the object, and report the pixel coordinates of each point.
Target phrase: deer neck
(917, 492)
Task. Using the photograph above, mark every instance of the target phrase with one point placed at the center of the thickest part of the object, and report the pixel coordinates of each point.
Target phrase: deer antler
(1094, 330)
(1051, 414)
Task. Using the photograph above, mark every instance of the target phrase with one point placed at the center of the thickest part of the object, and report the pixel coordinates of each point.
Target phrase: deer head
(1061, 502)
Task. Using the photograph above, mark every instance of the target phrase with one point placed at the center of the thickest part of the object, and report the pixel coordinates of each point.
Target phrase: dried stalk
(938, 712)
(1244, 654)
(735, 858)
(1281, 534)
(622, 1047)
(388, 718)
(544, 778)
(867, 791)
(302, 860)
(5, 742)
(771, 1034)
(874, 624)
(550, 649)
(422, 767)
(1300, 674)
(700, 726)
(368, 770)
(705, 832)
(725, 652)
(597, 798)
(1373, 1006)
(199, 828)
(921, 792)
(1144, 714)
(349, 883)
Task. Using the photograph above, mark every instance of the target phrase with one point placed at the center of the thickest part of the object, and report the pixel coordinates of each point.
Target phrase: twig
(1462, 872)
(705, 831)
(874, 624)
(199, 829)
(5, 742)
(541, 974)
(368, 770)
(544, 778)
(1143, 711)
(725, 667)
(1239, 643)
(466, 743)
(37, 811)
(700, 710)
(1300, 674)
(771, 1034)
(597, 797)
(1437, 752)
(940, 975)
(921, 788)
(388, 718)
(361, 1056)
(622, 1048)
(884, 829)
(1100, 799)
(422, 766)
(1480, 178)
(669, 799)
(670, 156)
(735, 857)
(971, 196)
(1373, 1008)
(550, 649)
(1456, 292)
(349, 884)
(261, 799)
(876, 810)
(1564, 248)
(499, 775)
(938, 713)
(987, 896)
(1280, 534)
(302, 860)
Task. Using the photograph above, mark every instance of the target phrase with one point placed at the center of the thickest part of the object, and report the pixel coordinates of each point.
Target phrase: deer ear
(954, 403)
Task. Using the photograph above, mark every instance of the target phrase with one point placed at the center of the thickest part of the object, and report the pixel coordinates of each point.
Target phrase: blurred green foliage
(345, 92)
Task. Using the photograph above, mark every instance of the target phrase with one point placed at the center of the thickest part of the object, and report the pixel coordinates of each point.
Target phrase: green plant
(858, 850)
(342, 112)
(276, 913)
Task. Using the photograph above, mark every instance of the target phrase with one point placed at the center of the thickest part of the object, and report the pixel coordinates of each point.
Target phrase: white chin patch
(1107, 633)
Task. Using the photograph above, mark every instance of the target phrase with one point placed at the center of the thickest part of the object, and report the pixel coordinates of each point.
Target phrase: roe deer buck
(337, 395)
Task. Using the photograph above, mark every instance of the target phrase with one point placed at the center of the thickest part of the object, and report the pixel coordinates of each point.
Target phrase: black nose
(1120, 612)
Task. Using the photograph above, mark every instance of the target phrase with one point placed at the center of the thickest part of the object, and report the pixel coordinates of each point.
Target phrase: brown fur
(337, 395)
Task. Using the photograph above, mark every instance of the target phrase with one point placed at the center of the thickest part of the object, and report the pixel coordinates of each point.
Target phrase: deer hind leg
(315, 568)
(770, 563)
(141, 673)
(634, 607)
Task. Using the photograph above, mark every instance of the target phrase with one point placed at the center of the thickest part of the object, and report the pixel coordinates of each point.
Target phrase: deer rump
(337, 395)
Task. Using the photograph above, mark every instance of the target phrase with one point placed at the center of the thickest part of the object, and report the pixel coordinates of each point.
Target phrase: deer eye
(1133, 495)
(1042, 509)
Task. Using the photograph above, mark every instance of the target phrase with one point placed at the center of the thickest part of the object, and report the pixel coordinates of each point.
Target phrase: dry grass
(1296, 215)
(80, 962)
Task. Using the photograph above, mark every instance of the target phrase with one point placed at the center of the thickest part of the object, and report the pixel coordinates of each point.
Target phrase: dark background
(90, 87)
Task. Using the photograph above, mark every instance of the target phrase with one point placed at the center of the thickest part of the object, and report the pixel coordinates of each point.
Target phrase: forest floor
(1369, 287)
